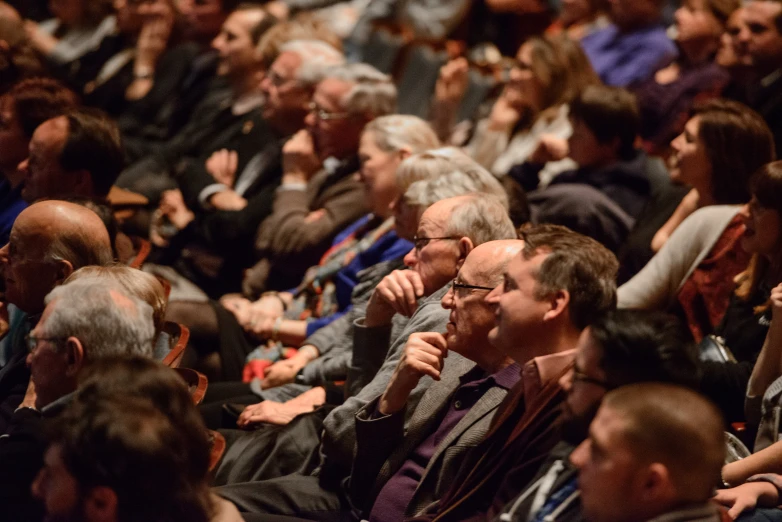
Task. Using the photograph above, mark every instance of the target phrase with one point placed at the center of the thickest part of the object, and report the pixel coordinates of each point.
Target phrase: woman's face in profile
(689, 164)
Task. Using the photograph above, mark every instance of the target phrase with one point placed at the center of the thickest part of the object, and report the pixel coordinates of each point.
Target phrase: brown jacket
(302, 226)
(524, 432)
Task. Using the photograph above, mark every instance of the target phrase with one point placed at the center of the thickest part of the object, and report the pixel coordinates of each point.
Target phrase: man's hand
(299, 159)
(41, 40)
(776, 303)
(227, 200)
(423, 354)
(151, 43)
(172, 205)
(282, 372)
(270, 412)
(452, 82)
(747, 497)
(397, 293)
(222, 166)
(29, 396)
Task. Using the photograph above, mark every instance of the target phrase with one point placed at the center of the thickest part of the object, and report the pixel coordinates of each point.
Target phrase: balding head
(50, 240)
(472, 317)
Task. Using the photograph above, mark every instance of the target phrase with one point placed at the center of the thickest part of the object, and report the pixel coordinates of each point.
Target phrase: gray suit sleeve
(339, 429)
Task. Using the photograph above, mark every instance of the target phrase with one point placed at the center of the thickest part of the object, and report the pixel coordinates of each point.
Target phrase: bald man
(398, 472)
(48, 242)
(654, 451)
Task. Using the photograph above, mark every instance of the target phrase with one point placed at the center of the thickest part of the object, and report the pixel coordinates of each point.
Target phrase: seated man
(470, 221)
(26, 106)
(398, 468)
(624, 348)
(49, 241)
(67, 339)
(78, 154)
(560, 284)
(634, 47)
(654, 452)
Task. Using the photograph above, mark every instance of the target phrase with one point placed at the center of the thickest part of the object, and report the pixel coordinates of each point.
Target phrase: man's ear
(83, 182)
(657, 486)
(465, 246)
(559, 302)
(100, 504)
(64, 270)
(404, 153)
(74, 351)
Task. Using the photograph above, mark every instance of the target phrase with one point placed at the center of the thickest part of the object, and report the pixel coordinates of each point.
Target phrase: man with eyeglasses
(68, 338)
(392, 479)
(49, 241)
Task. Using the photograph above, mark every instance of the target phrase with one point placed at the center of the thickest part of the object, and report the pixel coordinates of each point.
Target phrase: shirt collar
(769, 80)
(505, 378)
(541, 371)
(58, 404)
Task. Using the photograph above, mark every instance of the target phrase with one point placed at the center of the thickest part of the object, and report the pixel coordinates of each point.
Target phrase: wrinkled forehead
(330, 92)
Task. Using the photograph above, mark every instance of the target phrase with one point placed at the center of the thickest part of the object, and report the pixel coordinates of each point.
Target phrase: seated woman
(324, 294)
(721, 146)
(78, 27)
(548, 73)
(713, 296)
(666, 98)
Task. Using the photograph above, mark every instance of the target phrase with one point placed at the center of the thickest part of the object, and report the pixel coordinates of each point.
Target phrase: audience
(49, 241)
(276, 195)
(82, 322)
(625, 347)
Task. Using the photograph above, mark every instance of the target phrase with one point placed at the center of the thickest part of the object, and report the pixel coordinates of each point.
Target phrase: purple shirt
(397, 493)
(622, 59)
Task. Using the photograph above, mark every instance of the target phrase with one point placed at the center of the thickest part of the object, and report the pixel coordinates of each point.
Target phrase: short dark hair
(576, 263)
(677, 427)
(738, 142)
(611, 114)
(645, 346)
(93, 144)
(142, 377)
(130, 446)
(36, 100)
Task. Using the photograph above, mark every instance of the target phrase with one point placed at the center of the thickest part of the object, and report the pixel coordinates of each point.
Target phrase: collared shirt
(622, 59)
(393, 499)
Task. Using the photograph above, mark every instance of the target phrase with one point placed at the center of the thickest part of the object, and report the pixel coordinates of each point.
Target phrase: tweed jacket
(383, 444)
(338, 444)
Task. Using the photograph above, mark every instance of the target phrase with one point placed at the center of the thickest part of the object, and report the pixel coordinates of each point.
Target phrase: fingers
(739, 507)
(232, 161)
(401, 289)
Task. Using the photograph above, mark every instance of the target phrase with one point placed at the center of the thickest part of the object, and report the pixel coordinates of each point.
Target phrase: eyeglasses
(462, 286)
(578, 375)
(324, 115)
(278, 80)
(32, 342)
(421, 242)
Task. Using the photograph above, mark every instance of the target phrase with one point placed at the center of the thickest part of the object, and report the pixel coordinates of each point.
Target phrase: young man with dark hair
(654, 452)
(119, 459)
(625, 347)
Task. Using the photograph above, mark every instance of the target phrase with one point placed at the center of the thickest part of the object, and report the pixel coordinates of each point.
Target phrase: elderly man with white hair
(83, 322)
